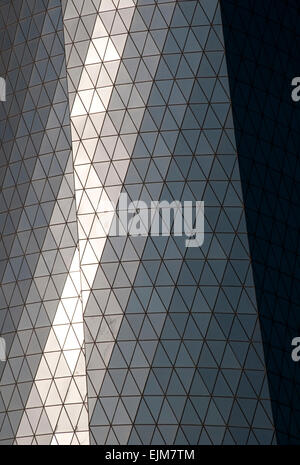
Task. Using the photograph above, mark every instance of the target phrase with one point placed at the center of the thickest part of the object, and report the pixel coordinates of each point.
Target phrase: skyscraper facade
(121, 339)
(262, 45)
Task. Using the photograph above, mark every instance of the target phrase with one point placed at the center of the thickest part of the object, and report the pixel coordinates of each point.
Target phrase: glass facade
(43, 382)
(267, 124)
(110, 339)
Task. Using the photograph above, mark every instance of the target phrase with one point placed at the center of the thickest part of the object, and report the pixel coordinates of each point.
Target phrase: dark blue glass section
(262, 47)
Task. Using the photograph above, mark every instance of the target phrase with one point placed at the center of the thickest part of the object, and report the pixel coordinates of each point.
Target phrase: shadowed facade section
(262, 48)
